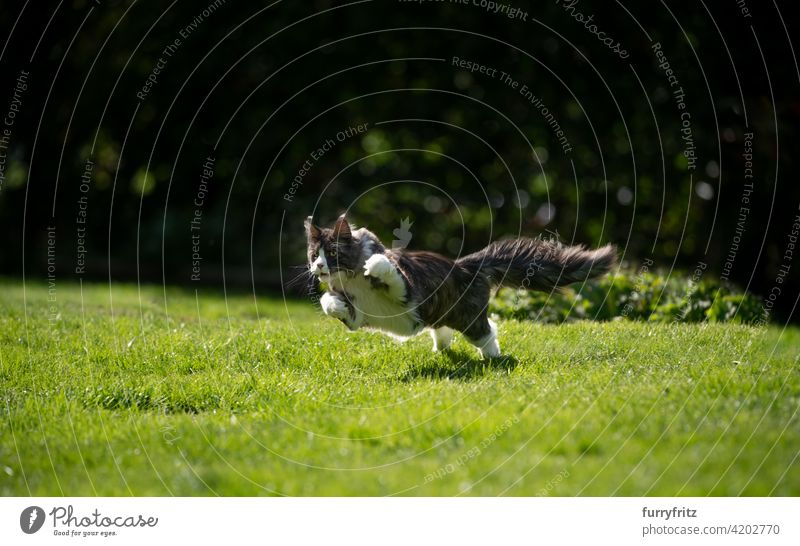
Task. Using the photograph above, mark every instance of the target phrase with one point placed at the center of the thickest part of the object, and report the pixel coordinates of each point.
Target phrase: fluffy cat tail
(539, 264)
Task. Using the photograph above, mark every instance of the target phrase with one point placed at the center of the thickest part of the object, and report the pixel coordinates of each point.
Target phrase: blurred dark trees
(465, 156)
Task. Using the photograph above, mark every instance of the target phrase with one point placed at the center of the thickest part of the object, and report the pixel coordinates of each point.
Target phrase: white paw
(488, 347)
(442, 338)
(490, 350)
(334, 307)
(378, 266)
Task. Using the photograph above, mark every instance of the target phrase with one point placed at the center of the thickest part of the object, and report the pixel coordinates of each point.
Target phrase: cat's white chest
(379, 310)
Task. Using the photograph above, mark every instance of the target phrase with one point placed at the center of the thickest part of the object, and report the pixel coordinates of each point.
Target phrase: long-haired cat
(402, 292)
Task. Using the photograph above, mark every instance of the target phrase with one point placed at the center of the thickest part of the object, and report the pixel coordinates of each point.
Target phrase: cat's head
(334, 249)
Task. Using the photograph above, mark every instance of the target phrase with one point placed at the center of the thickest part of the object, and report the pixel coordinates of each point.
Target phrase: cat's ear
(341, 229)
(312, 231)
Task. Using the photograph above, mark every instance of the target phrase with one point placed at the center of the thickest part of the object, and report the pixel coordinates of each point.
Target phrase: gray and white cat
(402, 292)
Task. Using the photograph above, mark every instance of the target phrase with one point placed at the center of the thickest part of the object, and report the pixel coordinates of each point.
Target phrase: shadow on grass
(460, 365)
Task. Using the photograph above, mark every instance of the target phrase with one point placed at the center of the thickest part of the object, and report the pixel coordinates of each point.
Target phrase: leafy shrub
(647, 297)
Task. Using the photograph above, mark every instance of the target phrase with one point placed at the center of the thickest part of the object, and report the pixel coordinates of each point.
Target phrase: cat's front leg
(335, 306)
(380, 268)
(442, 338)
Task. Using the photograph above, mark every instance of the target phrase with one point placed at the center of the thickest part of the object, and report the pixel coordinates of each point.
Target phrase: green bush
(645, 297)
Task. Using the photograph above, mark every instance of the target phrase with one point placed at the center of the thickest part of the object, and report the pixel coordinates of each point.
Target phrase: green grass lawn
(138, 392)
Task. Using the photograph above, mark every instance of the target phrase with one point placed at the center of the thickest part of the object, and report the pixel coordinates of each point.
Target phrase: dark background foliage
(465, 157)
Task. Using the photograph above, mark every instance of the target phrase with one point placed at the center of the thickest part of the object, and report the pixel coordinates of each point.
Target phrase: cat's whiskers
(306, 274)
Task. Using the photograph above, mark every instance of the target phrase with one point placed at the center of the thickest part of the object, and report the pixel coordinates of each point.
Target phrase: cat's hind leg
(442, 338)
(483, 334)
(379, 267)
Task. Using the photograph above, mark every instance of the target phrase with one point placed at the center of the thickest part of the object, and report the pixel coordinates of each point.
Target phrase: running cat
(402, 292)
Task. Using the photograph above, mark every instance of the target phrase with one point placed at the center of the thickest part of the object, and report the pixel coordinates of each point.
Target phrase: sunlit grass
(154, 393)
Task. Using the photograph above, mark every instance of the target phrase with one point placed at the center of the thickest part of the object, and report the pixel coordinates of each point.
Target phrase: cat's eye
(332, 253)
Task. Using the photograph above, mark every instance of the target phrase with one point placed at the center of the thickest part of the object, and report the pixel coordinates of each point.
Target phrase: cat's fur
(402, 292)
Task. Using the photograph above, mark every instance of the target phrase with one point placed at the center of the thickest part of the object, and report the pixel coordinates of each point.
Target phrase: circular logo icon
(31, 519)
